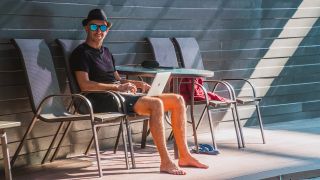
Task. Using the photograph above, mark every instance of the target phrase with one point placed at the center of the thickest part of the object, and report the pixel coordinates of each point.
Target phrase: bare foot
(191, 162)
(171, 168)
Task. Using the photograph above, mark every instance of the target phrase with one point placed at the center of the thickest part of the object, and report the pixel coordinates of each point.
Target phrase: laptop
(158, 84)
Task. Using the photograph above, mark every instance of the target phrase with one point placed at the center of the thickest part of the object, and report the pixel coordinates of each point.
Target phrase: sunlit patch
(288, 38)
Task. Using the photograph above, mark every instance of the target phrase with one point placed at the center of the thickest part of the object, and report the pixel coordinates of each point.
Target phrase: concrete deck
(291, 147)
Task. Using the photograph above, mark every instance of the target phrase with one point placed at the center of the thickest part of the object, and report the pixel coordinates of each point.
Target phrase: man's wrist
(117, 87)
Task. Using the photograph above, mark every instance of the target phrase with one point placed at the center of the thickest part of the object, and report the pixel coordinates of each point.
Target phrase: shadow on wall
(20, 19)
(296, 88)
(289, 93)
(19, 26)
(149, 30)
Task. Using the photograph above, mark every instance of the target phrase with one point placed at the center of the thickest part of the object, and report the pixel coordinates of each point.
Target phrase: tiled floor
(291, 147)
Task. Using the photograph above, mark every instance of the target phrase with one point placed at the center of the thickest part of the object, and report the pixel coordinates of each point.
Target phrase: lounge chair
(46, 99)
(68, 46)
(165, 53)
(191, 57)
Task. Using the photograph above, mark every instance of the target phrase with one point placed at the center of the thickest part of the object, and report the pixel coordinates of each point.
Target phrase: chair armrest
(228, 86)
(229, 89)
(205, 93)
(83, 98)
(246, 81)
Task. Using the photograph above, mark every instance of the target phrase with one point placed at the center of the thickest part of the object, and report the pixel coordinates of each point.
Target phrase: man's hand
(145, 87)
(127, 87)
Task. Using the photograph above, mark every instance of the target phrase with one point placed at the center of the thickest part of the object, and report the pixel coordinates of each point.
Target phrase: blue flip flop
(206, 149)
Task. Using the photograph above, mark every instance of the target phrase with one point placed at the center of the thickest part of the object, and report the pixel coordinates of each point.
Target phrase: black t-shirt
(99, 64)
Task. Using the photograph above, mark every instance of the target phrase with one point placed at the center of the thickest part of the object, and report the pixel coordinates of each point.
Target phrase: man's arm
(86, 84)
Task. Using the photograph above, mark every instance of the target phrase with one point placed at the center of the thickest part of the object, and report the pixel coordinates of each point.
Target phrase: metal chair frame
(250, 100)
(68, 46)
(48, 110)
(231, 103)
(163, 50)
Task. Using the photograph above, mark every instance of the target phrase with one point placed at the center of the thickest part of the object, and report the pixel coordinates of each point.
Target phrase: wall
(248, 38)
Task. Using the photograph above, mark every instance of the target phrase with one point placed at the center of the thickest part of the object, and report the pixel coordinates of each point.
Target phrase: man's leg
(175, 104)
(154, 107)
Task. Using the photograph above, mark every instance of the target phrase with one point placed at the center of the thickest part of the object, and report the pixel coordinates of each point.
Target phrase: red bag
(199, 95)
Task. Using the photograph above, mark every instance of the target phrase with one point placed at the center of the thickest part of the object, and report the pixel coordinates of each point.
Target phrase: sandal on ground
(206, 149)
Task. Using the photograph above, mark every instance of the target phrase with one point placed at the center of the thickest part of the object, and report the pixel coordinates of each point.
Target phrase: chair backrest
(189, 52)
(40, 73)
(164, 52)
(68, 46)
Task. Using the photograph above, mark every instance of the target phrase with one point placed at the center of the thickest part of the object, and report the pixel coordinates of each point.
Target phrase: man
(94, 69)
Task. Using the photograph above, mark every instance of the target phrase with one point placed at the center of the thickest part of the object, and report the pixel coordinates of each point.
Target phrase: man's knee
(156, 105)
(148, 106)
(175, 103)
(181, 99)
(178, 99)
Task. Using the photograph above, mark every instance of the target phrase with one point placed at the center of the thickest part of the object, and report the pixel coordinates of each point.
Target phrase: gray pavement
(292, 152)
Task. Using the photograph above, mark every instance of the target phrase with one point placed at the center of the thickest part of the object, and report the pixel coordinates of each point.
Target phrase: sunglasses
(94, 27)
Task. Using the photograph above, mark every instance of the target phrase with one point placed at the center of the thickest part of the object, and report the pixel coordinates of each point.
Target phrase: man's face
(96, 35)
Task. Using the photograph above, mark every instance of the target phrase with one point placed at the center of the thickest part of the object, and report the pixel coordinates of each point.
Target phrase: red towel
(199, 95)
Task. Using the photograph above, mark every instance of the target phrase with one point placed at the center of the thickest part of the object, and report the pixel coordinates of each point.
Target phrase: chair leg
(94, 131)
(195, 136)
(239, 124)
(130, 143)
(86, 152)
(6, 156)
(30, 127)
(211, 128)
(90, 143)
(201, 117)
(61, 140)
(170, 137)
(124, 144)
(52, 143)
(235, 122)
(144, 133)
(260, 123)
(175, 147)
(115, 148)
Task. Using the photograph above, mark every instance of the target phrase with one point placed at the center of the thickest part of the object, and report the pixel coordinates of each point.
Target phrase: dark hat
(96, 14)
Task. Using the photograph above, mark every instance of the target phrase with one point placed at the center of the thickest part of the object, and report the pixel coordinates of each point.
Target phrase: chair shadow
(85, 167)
